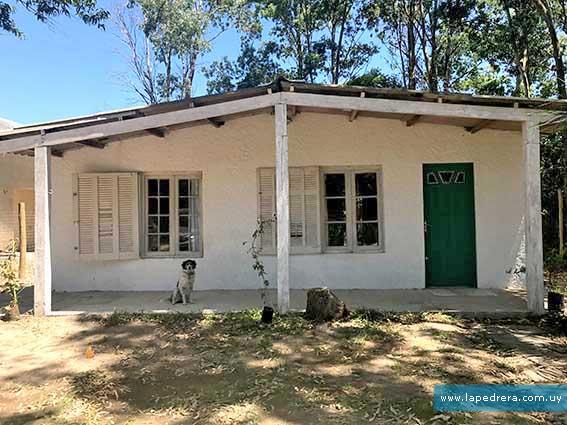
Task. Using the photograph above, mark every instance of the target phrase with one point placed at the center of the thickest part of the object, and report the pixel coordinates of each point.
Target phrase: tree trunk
(546, 14)
(324, 306)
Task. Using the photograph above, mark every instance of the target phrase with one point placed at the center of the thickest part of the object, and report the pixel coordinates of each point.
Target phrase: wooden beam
(158, 131)
(42, 188)
(23, 241)
(114, 128)
(412, 120)
(93, 144)
(476, 128)
(217, 122)
(532, 220)
(282, 206)
(407, 107)
(354, 113)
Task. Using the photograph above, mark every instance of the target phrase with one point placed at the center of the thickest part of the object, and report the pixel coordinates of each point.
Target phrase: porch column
(533, 229)
(282, 206)
(42, 187)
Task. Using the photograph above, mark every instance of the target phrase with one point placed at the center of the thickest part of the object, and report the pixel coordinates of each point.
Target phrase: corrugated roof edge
(284, 84)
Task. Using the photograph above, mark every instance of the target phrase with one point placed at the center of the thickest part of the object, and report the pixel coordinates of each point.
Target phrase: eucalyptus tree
(312, 40)
(169, 38)
(255, 65)
(428, 39)
(554, 14)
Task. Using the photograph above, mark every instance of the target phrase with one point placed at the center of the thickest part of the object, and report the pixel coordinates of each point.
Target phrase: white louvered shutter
(106, 208)
(266, 208)
(304, 208)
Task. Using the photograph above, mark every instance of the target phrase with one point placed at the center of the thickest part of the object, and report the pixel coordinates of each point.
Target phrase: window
(172, 215)
(339, 206)
(352, 216)
(304, 209)
(105, 207)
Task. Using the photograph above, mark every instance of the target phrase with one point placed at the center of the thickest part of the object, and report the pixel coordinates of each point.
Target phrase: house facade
(16, 186)
(373, 193)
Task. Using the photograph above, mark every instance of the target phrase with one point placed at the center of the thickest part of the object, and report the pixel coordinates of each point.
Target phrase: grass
(373, 367)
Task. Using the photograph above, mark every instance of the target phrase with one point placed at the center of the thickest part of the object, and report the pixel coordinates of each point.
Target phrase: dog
(184, 287)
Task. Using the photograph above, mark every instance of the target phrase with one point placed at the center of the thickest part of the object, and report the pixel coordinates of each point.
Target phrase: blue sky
(67, 68)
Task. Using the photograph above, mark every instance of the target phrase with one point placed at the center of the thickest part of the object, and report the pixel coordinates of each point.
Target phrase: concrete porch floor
(458, 300)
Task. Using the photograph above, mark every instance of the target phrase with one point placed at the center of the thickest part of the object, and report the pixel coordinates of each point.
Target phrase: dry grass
(227, 369)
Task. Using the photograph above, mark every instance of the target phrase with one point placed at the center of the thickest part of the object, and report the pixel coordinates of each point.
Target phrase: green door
(450, 251)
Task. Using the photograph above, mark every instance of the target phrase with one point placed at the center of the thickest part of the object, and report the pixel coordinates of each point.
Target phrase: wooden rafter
(158, 131)
(354, 112)
(412, 120)
(476, 128)
(97, 144)
(217, 122)
(301, 100)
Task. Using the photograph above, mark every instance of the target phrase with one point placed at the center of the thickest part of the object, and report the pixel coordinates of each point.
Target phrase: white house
(385, 189)
(16, 185)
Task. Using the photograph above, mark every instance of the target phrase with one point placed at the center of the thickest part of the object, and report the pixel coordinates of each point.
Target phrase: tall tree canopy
(164, 40)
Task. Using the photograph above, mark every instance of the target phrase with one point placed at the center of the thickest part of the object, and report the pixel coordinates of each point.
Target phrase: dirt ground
(226, 369)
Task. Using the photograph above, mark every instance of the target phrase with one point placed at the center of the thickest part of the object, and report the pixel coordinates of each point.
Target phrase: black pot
(267, 314)
(555, 301)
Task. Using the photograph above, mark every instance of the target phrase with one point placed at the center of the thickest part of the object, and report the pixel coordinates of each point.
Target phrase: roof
(7, 124)
(58, 130)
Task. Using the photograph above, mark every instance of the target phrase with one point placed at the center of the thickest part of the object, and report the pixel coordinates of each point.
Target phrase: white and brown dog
(184, 287)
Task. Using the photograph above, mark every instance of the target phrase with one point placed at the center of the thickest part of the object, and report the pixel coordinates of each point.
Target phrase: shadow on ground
(228, 369)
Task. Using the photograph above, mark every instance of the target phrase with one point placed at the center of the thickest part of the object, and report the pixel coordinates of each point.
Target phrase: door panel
(450, 247)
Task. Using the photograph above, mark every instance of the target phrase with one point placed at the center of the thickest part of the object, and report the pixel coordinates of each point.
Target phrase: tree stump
(324, 306)
(11, 312)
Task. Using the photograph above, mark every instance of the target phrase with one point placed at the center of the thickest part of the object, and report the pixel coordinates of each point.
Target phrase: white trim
(114, 128)
(406, 107)
(350, 196)
(173, 215)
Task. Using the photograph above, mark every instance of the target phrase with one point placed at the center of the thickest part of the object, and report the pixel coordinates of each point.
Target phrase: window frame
(174, 251)
(350, 197)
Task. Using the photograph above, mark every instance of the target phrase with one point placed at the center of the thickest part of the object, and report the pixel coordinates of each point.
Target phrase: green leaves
(43, 10)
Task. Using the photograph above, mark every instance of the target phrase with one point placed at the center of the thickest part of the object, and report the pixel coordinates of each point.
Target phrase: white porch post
(282, 206)
(534, 243)
(42, 280)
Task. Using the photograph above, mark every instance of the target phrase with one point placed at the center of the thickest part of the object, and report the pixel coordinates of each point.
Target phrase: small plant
(9, 281)
(255, 251)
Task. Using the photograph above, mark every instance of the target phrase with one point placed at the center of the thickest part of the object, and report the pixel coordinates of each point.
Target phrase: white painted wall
(16, 180)
(229, 157)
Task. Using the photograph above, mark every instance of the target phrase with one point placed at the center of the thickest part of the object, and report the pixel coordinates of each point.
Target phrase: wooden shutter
(106, 210)
(304, 209)
(267, 208)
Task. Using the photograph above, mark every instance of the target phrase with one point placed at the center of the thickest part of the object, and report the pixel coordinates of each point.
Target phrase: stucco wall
(16, 176)
(229, 157)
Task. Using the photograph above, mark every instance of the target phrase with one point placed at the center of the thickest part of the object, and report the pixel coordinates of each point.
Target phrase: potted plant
(556, 298)
(10, 283)
(258, 266)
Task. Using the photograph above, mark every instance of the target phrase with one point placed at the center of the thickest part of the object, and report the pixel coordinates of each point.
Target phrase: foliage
(428, 40)
(9, 281)
(255, 251)
(375, 78)
(43, 10)
(311, 40)
(254, 66)
(164, 40)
